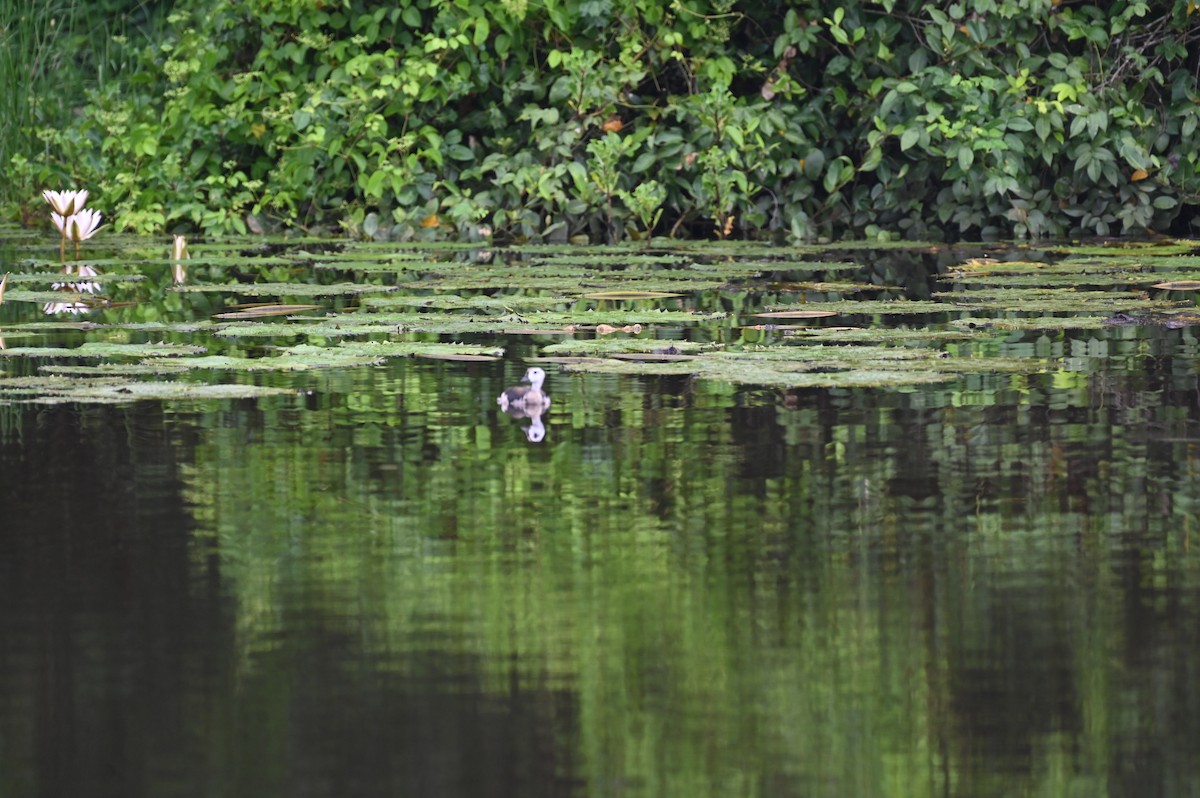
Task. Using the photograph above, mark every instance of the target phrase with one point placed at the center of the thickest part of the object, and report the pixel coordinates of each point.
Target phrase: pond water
(842, 575)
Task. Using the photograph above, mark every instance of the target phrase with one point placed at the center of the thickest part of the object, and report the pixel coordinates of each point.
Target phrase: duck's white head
(535, 376)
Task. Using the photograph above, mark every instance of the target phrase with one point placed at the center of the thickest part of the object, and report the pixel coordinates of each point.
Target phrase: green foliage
(544, 122)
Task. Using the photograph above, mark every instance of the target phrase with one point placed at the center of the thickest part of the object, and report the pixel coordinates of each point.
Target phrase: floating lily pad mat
(1067, 304)
(49, 278)
(628, 295)
(884, 307)
(261, 311)
(93, 301)
(56, 389)
(831, 288)
(715, 311)
(671, 282)
(1035, 323)
(613, 316)
(870, 334)
(602, 260)
(753, 373)
(386, 349)
(455, 302)
(1126, 249)
(290, 289)
(604, 346)
(96, 349)
(795, 314)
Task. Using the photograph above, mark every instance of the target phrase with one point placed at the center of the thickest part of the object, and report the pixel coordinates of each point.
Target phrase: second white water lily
(77, 227)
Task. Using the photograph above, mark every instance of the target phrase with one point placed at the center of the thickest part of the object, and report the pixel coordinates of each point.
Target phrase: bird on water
(524, 397)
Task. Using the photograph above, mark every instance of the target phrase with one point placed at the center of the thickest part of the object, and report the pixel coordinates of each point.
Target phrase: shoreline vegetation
(608, 121)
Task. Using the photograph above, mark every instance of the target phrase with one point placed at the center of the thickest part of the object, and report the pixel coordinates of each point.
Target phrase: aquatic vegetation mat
(847, 315)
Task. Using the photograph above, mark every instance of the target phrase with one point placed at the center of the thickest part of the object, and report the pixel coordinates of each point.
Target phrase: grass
(51, 53)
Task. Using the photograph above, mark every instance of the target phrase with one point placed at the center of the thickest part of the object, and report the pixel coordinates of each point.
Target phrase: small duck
(525, 397)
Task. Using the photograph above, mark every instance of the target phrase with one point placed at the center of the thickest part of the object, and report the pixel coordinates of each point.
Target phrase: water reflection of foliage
(738, 593)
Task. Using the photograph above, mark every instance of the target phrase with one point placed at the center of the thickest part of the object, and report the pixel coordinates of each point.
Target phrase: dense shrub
(617, 118)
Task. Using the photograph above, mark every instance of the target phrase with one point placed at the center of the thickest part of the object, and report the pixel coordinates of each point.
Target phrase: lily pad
(501, 303)
(288, 289)
(604, 346)
(311, 358)
(93, 349)
(387, 349)
(57, 389)
(629, 295)
(260, 311)
(877, 307)
(455, 356)
(795, 314)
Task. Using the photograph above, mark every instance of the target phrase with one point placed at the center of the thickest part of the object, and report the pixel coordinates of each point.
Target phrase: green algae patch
(95, 349)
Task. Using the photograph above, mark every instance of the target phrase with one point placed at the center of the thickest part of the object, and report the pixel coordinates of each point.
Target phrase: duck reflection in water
(528, 401)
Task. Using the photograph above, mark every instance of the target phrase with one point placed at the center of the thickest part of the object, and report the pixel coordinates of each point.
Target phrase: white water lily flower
(66, 203)
(82, 225)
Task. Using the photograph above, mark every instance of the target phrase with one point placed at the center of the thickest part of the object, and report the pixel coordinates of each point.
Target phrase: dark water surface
(381, 587)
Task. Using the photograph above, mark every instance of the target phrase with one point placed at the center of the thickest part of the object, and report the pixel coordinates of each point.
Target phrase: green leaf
(872, 159)
(643, 162)
(1042, 128)
(411, 16)
(966, 157)
(910, 137)
(483, 29)
(814, 164)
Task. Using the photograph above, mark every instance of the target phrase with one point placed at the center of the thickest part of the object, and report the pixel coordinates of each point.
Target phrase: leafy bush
(625, 118)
